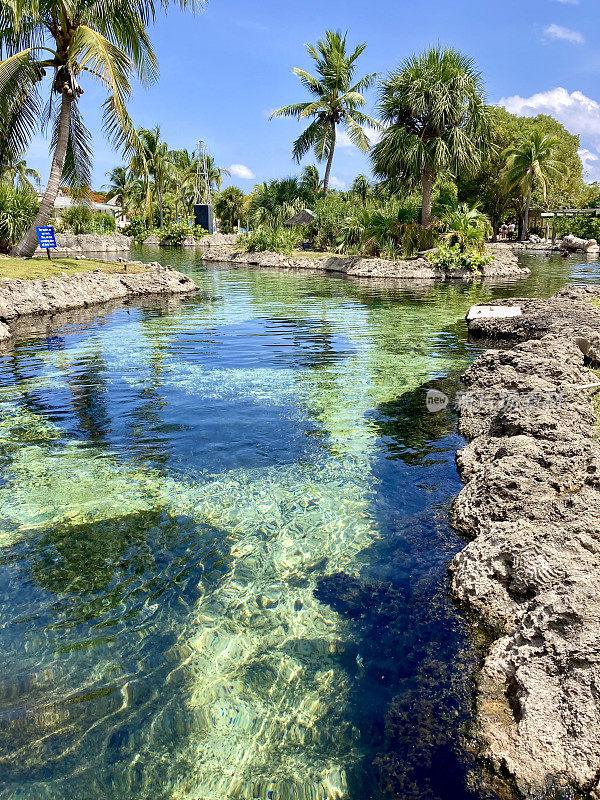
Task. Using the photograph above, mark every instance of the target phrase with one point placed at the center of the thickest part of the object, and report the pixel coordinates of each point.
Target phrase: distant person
(511, 231)
(503, 230)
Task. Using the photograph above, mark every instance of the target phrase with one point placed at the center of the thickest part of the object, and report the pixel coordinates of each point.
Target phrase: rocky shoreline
(531, 573)
(71, 244)
(49, 296)
(505, 264)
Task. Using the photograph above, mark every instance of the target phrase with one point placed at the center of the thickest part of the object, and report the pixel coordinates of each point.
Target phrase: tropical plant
(336, 100)
(361, 188)
(311, 182)
(103, 223)
(107, 41)
(531, 164)
(435, 120)
(120, 186)
(469, 228)
(277, 240)
(229, 207)
(18, 207)
(452, 257)
(76, 219)
(18, 173)
(274, 202)
(156, 160)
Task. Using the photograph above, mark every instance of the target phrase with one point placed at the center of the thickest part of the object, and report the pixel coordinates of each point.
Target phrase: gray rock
(20, 298)
(531, 506)
(70, 244)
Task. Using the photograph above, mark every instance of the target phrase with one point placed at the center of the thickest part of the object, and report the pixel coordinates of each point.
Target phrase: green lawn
(42, 268)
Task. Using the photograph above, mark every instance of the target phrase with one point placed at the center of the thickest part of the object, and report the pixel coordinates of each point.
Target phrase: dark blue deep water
(224, 543)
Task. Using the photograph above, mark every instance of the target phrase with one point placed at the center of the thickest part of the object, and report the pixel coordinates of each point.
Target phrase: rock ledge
(54, 295)
(531, 507)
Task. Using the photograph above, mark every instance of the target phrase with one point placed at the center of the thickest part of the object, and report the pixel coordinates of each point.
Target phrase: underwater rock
(531, 504)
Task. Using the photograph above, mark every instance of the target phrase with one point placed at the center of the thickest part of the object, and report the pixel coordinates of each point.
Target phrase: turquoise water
(223, 544)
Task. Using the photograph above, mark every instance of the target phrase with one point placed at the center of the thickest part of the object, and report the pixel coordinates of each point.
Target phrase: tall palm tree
(229, 207)
(435, 120)
(156, 159)
(336, 100)
(18, 173)
(108, 41)
(215, 174)
(532, 164)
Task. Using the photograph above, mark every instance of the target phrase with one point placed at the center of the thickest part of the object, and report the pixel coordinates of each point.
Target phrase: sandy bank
(531, 506)
(55, 295)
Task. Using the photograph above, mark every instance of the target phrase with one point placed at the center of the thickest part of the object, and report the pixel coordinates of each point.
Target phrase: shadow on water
(101, 660)
(414, 659)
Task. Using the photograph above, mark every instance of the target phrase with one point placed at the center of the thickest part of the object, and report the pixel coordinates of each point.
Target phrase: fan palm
(336, 101)
(105, 39)
(436, 120)
(467, 227)
(361, 188)
(18, 173)
(532, 164)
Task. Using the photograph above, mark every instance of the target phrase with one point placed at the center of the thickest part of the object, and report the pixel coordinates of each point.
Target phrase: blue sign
(46, 237)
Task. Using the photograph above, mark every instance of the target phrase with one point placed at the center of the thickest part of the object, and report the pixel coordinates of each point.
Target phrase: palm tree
(532, 164)
(311, 181)
(18, 173)
(467, 227)
(119, 186)
(107, 41)
(361, 187)
(336, 101)
(215, 174)
(155, 158)
(435, 120)
(229, 207)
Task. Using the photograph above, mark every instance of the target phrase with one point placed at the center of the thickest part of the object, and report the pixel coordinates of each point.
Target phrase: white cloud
(568, 2)
(241, 171)
(336, 183)
(577, 112)
(564, 34)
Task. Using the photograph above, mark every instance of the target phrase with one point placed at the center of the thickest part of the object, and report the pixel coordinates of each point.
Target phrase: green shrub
(103, 223)
(277, 240)
(18, 207)
(77, 219)
(452, 257)
(583, 227)
(138, 228)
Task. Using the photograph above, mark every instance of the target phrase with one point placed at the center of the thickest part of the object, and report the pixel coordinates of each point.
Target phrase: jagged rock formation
(54, 295)
(531, 506)
(505, 264)
(71, 244)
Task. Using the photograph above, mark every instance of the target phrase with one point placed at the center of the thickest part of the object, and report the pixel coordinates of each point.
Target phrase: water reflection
(224, 539)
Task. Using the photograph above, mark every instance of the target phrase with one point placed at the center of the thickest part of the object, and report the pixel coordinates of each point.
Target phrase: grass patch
(28, 268)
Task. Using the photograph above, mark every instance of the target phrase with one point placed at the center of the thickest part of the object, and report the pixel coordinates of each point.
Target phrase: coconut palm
(311, 181)
(532, 164)
(229, 207)
(156, 160)
(336, 100)
(18, 173)
(107, 41)
(119, 186)
(435, 120)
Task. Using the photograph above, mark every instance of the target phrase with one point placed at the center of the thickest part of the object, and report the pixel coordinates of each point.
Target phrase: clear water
(223, 544)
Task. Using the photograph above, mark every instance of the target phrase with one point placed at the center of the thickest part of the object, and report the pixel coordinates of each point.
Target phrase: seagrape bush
(18, 207)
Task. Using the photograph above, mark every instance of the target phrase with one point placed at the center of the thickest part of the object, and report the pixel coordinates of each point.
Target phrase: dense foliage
(82, 219)
(18, 207)
(279, 240)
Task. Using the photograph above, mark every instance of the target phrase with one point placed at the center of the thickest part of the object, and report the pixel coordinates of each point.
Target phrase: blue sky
(223, 71)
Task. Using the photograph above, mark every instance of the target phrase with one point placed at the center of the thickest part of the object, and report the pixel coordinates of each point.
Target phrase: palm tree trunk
(160, 204)
(525, 231)
(27, 245)
(428, 181)
(329, 160)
